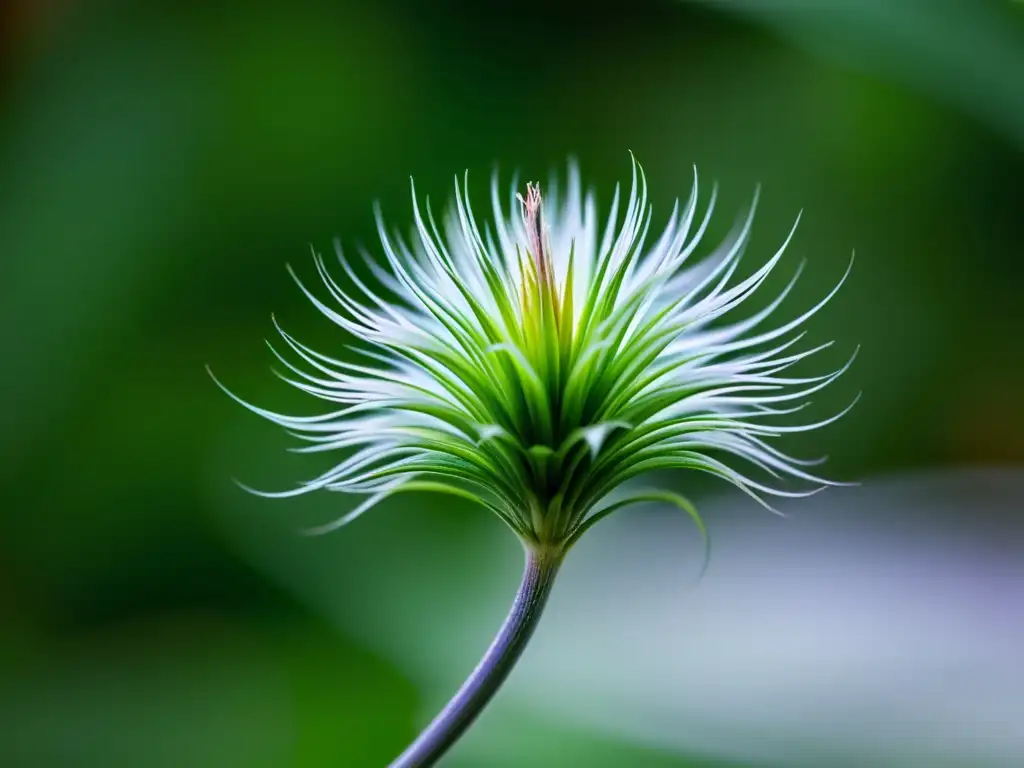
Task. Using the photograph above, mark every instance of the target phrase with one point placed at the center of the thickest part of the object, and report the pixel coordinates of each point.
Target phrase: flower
(540, 364)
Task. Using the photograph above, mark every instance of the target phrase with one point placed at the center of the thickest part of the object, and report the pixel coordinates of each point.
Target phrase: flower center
(533, 219)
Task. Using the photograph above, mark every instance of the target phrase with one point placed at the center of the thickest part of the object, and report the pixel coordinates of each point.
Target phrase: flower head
(540, 363)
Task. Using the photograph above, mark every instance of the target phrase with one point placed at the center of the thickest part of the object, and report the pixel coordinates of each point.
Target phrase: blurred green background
(161, 163)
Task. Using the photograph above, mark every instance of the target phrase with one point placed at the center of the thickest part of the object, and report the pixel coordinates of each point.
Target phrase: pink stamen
(533, 220)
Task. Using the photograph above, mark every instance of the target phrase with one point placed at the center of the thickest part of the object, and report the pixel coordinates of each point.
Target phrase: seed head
(540, 372)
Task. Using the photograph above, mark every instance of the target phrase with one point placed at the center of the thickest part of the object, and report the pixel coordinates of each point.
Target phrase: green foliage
(539, 371)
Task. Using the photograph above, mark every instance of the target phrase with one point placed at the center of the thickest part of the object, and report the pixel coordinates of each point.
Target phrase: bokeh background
(161, 162)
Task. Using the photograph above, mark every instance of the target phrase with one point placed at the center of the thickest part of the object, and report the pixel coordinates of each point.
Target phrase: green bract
(538, 364)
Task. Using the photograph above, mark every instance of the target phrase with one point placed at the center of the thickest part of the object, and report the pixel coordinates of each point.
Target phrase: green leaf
(640, 497)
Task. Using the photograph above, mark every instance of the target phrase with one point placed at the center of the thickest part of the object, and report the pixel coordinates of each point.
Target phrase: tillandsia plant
(536, 367)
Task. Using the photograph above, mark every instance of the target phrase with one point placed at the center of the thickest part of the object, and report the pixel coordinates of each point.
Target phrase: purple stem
(494, 667)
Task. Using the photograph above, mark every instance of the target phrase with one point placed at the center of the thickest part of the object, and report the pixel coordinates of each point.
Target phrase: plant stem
(464, 707)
